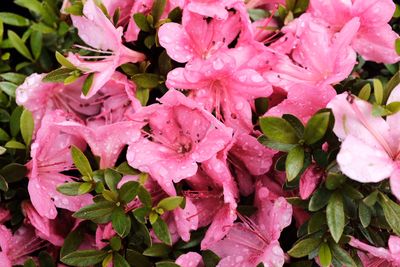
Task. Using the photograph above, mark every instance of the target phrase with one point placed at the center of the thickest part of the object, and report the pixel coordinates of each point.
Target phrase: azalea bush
(199, 133)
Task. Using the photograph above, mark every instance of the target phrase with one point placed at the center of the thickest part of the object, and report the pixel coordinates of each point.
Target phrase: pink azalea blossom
(51, 155)
(255, 240)
(370, 151)
(378, 256)
(96, 30)
(104, 232)
(310, 180)
(16, 247)
(375, 39)
(45, 228)
(261, 3)
(5, 215)
(190, 259)
(211, 8)
(226, 83)
(303, 101)
(197, 37)
(181, 134)
(111, 104)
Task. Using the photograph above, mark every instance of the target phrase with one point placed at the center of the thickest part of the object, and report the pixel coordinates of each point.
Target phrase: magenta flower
(226, 83)
(51, 155)
(375, 39)
(190, 259)
(255, 240)
(96, 30)
(370, 148)
(180, 135)
(310, 180)
(378, 256)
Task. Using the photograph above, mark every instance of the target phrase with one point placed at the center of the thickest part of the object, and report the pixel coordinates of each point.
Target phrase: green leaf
(99, 212)
(141, 22)
(325, 255)
(365, 92)
(146, 80)
(210, 259)
(121, 222)
(397, 45)
(125, 169)
(364, 213)
(119, 261)
(275, 145)
(112, 178)
(33, 5)
(84, 257)
(36, 44)
(278, 130)
(64, 61)
(393, 107)
(14, 19)
(137, 259)
(304, 247)
(15, 121)
(161, 230)
(128, 191)
(81, 162)
(19, 44)
(335, 215)
(58, 75)
(157, 250)
(341, 255)
(14, 172)
(27, 126)
(4, 135)
(71, 242)
(334, 180)
(294, 162)
(158, 9)
(3, 184)
(295, 123)
(75, 9)
(85, 188)
(371, 199)
(8, 88)
(143, 94)
(14, 145)
(301, 6)
(170, 203)
(166, 264)
(69, 189)
(87, 84)
(144, 196)
(391, 211)
(29, 263)
(378, 91)
(316, 127)
(319, 199)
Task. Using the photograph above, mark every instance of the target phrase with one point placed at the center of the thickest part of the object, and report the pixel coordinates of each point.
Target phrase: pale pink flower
(96, 30)
(375, 39)
(180, 135)
(227, 83)
(370, 149)
(190, 259)
(211, 8)
(51, 155)
(378, 256)
(16, 247)
(255, 240)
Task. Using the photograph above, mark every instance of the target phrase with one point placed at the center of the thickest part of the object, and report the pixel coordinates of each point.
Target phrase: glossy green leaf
(58, 75)
(112, 179)
(158, 9)
(378, 91)
(64, 61)
(316, 127)
(335, 215)
(304, 247)
(27, 126)
(365, 92)
(69, 189)
(325, 255)
(146, 80)
(161, 230)
(19, 44)
(36, 42)
(157, 250)
(128, 191)
(81, 162)
(121, 222)
(170, 203)
(99, 212)
(294, 162)
(119, 261)
(71, 242)
(278, 130)
(391, 211)
(84, 257)
(14, 19)
(87, 84)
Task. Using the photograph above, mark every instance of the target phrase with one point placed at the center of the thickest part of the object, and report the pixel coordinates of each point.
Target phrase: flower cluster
(205, 132)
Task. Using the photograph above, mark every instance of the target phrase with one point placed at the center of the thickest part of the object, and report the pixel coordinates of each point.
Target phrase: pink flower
(379, 256)
(44, 228)
(190, 259)
(5, 215)
(255, 240)
(197, 37)
(181, 134)
(369, 152)
(16, 247)
(211, 8)
(310, 180)
(111, 104)
(106, 141)
(303, 101)
(51, 155)
(269, 3)
(375, 38)
(226, 83)
(104, 232)
(96, 30)
(318, 57)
